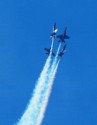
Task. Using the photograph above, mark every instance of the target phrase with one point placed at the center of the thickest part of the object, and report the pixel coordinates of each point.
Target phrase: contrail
(32, 111)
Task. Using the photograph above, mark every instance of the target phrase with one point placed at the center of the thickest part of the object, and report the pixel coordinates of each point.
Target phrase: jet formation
(61, 38)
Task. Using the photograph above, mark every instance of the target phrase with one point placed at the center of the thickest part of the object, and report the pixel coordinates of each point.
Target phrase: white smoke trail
(36, 108)
(31, 114)
(52, 45)
(58, 50)
(47, 93)
(49, 83)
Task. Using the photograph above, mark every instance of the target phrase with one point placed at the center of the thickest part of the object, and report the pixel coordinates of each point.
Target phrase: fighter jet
(55, 29)
(63, 51)
(63, 36)
(48, 51)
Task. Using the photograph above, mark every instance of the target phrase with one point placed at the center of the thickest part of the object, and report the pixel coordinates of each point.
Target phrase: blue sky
(25, 27)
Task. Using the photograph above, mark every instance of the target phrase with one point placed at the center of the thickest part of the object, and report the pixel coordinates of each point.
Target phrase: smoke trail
(52, 45)
(47, 93)
(49, 84)
(31, 114)
(36, 108)
(58, 50)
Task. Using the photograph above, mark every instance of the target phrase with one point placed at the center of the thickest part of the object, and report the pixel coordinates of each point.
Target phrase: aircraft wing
(47, 53)
(59, 36)
(46, 49)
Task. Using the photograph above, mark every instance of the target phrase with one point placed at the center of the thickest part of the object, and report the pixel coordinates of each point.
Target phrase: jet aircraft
(63, 36)
(63, 51)
(55, 29)
(48, 51)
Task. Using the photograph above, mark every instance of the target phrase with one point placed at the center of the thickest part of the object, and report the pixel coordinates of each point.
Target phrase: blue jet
(48, 51)
(63, 36)
(55, 29)
(63, 51)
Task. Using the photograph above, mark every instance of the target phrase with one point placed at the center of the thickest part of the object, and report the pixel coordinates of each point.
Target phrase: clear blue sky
(25, 26)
